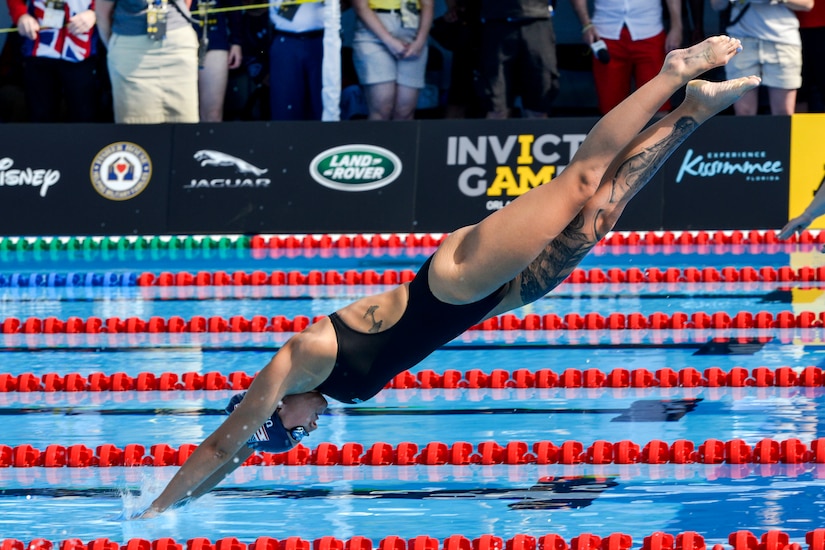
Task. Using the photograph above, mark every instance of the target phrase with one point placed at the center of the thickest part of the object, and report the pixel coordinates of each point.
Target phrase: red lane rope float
(713, 377)
(658, 540)
(505, 322)
(618, 238)
(436, 453)
(276, 278)
(391, 276)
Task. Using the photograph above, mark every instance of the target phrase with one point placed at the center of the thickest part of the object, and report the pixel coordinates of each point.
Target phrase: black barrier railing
(308, 177)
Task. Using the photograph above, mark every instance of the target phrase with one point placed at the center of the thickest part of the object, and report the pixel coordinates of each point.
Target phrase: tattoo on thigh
(556, 261)
(636, 171)
(563, 254)
(376, 324)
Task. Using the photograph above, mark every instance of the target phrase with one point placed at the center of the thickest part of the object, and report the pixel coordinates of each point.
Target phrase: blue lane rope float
(633, 275)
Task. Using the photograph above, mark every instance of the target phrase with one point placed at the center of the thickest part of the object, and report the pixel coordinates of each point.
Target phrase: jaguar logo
(207, 157)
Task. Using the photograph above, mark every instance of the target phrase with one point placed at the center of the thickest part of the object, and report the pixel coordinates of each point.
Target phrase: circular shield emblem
(121, 171)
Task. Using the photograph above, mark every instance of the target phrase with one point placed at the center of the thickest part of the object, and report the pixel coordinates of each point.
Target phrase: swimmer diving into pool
(513, 257)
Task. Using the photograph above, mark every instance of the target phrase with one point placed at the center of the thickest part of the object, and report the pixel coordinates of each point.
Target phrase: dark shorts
(519, 59)
(813, 67)
(217, 31)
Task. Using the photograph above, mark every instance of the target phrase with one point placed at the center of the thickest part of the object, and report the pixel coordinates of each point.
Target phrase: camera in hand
(600, 51)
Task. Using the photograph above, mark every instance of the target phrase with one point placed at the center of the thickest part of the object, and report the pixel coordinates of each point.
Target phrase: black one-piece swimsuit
(367, 361)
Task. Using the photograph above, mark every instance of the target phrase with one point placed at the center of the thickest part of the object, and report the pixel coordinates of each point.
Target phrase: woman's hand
(235, 56)
(415, 48)
(28, 27)
(82, 22)
(795, 226)
(398, 48)
(148, 513)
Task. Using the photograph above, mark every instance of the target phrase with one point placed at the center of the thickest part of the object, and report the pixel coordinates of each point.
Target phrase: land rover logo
(355, 168)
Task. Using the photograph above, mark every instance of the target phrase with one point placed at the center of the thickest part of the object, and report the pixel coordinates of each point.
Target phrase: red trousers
(630, 61)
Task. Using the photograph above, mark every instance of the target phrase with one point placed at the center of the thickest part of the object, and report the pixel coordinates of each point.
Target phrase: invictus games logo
(355, 168)
(503, 168)
(121, 171)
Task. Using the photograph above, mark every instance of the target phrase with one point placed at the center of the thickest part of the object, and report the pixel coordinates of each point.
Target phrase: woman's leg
(406, 99)
(212, 78)
(782, 101)
(629, 172)
(748, 105)
(474, 261)
(380, 100)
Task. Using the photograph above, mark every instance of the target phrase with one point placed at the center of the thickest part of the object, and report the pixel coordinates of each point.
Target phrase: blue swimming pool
(711, 496)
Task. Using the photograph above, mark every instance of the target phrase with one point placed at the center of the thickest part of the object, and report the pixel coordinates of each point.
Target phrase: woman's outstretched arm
(815, 209)
(221, 473)
(303, 363)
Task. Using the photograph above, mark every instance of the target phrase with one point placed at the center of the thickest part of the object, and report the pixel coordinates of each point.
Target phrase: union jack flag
(60, 43)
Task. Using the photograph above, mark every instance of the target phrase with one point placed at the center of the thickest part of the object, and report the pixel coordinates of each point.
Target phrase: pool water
(313, 501)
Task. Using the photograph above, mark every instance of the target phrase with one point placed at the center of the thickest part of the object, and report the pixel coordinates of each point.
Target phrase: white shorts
(779, 65)
(375, 64)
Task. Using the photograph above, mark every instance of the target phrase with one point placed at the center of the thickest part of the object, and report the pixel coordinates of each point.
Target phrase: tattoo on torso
(376, 324)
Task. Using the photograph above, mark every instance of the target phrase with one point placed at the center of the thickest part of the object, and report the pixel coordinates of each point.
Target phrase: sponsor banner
(807, 163)
(471, 168)
(79, 179)
(422, 176)
(732, 173)
(293, 177)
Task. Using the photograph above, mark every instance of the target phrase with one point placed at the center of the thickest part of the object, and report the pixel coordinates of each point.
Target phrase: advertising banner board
(470, 168)
(348, 177)
(293, 177)
(83, 179)
(732, 173)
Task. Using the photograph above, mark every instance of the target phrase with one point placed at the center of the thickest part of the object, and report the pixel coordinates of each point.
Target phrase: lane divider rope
(394, 240)
(633, 275)
(657, 540)
(506, 322)
(437, 453)
(688, 377)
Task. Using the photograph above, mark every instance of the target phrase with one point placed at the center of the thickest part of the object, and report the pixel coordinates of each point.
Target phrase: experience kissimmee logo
(355, 167)
(121, 171)
(753, 166)
(502, 168)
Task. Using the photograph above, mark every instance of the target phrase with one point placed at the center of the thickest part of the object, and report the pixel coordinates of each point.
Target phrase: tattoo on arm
(376, 324)
(636, 171)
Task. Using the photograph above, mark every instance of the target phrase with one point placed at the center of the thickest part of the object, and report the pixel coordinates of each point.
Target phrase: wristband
(587, 27)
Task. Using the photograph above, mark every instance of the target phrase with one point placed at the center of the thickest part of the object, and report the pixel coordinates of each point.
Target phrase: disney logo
(43, 178)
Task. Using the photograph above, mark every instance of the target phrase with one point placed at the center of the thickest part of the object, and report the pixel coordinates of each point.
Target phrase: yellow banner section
(807, 163)
(808, 297)
(807, 174)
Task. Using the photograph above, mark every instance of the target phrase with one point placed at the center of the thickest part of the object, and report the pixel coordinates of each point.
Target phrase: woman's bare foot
(704, 99)
(690, 62)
